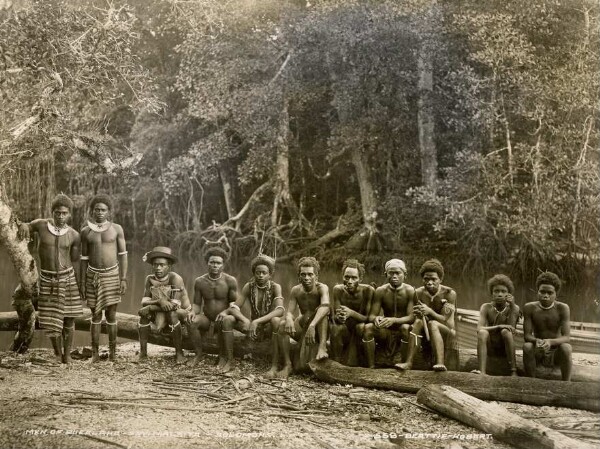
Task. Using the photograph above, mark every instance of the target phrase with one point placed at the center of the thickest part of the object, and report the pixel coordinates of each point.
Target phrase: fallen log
(524, 390)
(128, 328)
(494, 419)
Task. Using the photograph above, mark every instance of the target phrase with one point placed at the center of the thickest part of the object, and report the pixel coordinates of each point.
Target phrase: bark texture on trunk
(494, 419)
(523, 390)
(425, 118)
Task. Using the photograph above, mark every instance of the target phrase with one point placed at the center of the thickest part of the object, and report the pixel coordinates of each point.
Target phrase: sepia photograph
(299, 224)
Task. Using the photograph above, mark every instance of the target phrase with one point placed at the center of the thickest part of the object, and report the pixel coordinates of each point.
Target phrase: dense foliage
(463, 129)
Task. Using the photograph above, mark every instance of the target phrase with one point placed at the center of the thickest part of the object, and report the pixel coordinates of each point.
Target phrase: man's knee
(201, 322)
(228, 322)
(434, 326)
(144, 312)
(275, 323)
(368, 331)
(506, 334)
(565, 349)
(483, 335)
(181, 315)
(528, 348)
(405, 331)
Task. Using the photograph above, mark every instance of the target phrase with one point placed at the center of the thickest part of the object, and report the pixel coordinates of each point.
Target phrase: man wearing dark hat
(103, 271)
(266, 309)
(59, 301)
(434, 309)
(395, 299)
(165, 301)
(213, 292)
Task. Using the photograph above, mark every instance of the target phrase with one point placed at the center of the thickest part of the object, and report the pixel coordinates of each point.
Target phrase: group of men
(358, 318)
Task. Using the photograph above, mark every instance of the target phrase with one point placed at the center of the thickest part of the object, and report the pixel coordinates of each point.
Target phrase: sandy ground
(158, 404)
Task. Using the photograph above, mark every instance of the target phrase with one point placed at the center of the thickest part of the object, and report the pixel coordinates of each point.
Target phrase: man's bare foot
(179, 358)
(285, 372)
(322, 354)
(221, 363)
(476, 371)
(143, 357)
(439, 367)
(403, 366)
(228, 366)
(194, 362)
(272, 373)
(513, 373)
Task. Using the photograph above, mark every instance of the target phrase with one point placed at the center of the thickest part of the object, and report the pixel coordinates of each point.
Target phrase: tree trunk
(228, 193)
(425, 118)
(368, 238)
(524, 390)
(26, 269)
(494, 419)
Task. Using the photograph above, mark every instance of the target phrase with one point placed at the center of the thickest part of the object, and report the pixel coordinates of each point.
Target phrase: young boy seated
(497, 323)
(266, 308)
(546, 329)
(434, 309)
(165, 301)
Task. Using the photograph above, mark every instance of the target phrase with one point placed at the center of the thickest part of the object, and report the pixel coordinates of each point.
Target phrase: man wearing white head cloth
(395, 301)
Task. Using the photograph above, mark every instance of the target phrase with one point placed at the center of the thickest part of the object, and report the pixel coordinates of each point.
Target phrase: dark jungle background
(463, 130)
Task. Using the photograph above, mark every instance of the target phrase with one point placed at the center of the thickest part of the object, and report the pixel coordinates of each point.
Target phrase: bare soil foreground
(158, 404)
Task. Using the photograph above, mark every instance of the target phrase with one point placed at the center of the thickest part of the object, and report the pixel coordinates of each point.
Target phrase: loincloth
(102, 287)
(546, 356)
(58, 299)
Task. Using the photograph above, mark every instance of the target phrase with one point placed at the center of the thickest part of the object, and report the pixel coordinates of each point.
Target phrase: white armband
(279, 307)
(84, 258)
(123, 253)
(233, 305)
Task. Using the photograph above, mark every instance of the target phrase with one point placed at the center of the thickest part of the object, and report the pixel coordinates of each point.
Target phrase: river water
(471, 293)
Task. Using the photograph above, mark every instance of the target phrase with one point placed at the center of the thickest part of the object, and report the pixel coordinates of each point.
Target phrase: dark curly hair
(101, 198)
(61, 200)
(432, 265)
(216, 251)
(261, 259)
(353, 263)
(500, 279)
(308, 262)
(547, 277)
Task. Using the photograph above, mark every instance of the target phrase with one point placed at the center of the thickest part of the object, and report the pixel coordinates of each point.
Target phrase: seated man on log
(395, 299)
(266, 308)
(165, 301)
(59, 301)
(546, 329)
(351, 302)
(434, 309)
(312, 298)
(103, 271)
(213, 293)
(497, 324)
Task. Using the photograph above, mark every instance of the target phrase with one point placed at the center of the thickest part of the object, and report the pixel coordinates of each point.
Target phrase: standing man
(103, 271)
(266, 309)
(312, 299)
(165, 301)
(396, 299)
(434, 312)
(351, 302)
(59, 302)
(497, 324)
(213, 293)
(546, 329)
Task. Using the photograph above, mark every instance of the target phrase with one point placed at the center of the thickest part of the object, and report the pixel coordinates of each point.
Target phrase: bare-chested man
(434, 309)
(213, 293)
(396, 300)
(165, 301)
(497, 323)
(547, 329)
(103, 271)
(266, 309)
(59, 301)
(350, 305)
(312, 298)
